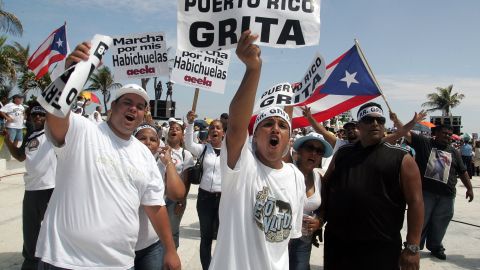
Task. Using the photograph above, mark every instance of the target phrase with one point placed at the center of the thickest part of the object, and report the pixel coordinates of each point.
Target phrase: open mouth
(274, 141)
(130, 118)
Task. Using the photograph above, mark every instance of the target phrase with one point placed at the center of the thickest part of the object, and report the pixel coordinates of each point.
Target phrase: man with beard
(367, 188)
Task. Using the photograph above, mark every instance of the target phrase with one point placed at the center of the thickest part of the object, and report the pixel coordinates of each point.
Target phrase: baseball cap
(18, 96)
(317, 137)
(132, 89)
(353, 123)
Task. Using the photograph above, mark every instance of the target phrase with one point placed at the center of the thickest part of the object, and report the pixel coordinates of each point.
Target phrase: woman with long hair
(209, 191)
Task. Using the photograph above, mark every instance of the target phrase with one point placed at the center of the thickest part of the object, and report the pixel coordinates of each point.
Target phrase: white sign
(285, 94)
(139, 56)
(218, 24)
(206, 70)
(59, 96)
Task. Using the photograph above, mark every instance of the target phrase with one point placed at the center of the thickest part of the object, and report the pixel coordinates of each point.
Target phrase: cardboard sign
(285, 94)
(218, 24)
(206, 70)
(59, 96)
(140, 56)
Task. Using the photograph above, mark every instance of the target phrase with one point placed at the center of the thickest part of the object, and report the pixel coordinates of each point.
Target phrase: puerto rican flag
(349, 83)
(52, 50)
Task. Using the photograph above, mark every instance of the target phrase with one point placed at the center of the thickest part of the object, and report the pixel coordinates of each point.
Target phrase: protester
(224, 119)
(209, 191)
(466, 150)
(40, 164)
(14, 114)
(96, 116)
(103, 177)
(366, 190)
(440, 165)
(182, 159)
(310, 150)
(149, 250)
(476, 159)
(262, 197)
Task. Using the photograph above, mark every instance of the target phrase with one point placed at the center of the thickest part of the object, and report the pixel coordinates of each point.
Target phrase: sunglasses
(370, 119)
(39, 114)
(310, 148)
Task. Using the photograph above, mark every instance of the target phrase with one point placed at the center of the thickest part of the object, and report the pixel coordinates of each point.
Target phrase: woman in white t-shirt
(182, 160)
(310, 150)
(149, 251)
(209, 191)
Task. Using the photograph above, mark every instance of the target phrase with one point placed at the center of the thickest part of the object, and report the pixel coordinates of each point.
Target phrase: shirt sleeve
(298, 216)
(154, 188)
(194, 148)
(76, 129)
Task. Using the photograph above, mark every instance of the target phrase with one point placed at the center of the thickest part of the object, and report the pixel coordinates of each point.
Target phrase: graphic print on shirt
(438, 166)
(32, 145)
(273, 217)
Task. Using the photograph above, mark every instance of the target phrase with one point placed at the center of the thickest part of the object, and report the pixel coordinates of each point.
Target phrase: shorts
(15, 134)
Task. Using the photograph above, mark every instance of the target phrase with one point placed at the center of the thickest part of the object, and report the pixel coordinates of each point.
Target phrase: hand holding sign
(59, 96)
(81, 53)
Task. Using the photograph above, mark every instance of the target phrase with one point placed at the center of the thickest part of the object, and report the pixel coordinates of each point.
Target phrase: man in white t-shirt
(262, 197)
(96, 116)
(40, 165)
(14, 114)
(103, 176)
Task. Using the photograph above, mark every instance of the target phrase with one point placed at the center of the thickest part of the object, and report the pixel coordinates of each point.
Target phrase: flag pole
(364, 59)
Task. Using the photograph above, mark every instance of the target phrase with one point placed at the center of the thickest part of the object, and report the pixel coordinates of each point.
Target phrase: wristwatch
(411, 247)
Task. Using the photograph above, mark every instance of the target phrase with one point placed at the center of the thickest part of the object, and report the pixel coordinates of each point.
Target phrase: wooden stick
(195, 99)
(364, 59)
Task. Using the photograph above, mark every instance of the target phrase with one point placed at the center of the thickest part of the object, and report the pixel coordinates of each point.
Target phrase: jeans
(47, 266)
(149, 258)
(174, 220)
(299, 253)
(207, 209)
(15, 134)
(34, 206)
(438, 213)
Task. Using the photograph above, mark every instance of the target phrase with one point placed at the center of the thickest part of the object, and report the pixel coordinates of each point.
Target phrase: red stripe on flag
(39, 60)
(299, 122)
(44, 69)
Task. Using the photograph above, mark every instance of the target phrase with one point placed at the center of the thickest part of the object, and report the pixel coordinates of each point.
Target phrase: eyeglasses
(310, 148)
(370, 119)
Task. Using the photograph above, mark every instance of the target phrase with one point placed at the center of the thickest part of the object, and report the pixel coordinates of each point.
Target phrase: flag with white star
(348, 84)
(52, 50)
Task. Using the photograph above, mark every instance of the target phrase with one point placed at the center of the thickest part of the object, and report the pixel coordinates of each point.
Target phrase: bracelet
(169, 162)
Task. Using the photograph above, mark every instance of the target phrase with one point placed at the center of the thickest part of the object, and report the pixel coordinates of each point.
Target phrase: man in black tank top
(366, 190)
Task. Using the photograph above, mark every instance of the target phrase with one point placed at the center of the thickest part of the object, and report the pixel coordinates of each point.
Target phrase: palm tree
(443, 100)
(103, 81)
(9, 23)
(8, 72)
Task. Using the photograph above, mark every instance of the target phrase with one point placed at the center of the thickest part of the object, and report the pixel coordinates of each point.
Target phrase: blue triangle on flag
(350, 77)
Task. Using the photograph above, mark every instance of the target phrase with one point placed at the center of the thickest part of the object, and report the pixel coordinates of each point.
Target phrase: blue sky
(412, 46)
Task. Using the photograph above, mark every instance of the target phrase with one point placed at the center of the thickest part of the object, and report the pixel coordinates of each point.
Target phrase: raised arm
(241, 106)
(16, 152)
(175, 189)
(403, 130)
(57, 126)
(319, 128)
(195, 148)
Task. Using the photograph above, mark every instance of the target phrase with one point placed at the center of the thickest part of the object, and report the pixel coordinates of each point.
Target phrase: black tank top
(364, 197)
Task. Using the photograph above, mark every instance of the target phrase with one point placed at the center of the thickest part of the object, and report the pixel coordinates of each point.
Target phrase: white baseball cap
(133, 89)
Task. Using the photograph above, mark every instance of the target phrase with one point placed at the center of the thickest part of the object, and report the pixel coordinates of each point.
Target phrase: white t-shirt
(313, 202)
(92, 220)
(147, 235)
(260, 210)
(96, 117)
(40, 162)
(16, 112)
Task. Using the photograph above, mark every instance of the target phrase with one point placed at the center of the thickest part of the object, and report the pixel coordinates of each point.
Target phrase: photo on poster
(438, 166)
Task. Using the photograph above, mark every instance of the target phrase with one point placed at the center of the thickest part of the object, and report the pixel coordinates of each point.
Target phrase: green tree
(102, 80)
(443, 100)
(9, 23)
(8, 71)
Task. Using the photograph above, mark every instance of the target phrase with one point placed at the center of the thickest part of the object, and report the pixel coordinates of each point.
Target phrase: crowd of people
(111, 194)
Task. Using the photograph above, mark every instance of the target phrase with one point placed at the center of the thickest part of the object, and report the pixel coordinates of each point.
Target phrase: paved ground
(462, 240)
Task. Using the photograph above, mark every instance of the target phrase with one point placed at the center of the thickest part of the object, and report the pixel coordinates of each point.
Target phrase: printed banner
(285, 94)
(59, 96)
(214, 25)
(206, 70)
(140, 56)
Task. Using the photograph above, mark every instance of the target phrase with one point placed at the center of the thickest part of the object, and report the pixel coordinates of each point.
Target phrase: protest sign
(206, 70)
(59, 96)
(139, 56)
(218, 24)
(284, 94)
